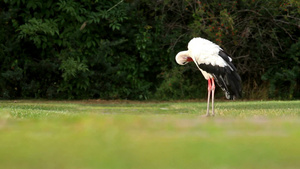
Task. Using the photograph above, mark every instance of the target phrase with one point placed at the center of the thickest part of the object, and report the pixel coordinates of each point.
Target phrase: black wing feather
(226, 77)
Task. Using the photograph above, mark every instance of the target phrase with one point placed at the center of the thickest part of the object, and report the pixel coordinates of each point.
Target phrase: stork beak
(189, 59)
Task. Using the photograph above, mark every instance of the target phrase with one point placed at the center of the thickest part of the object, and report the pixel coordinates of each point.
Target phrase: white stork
(215, 65)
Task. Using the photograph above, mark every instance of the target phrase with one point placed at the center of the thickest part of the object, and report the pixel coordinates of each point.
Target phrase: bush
(125, 49)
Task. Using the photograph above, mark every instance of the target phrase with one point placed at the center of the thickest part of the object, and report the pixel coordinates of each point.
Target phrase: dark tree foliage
(115, 49)
(262, 36)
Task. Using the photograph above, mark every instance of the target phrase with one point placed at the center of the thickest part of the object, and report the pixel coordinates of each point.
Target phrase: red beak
(189, 59)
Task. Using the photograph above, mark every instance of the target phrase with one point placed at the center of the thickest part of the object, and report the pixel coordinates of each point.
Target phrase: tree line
(125, 49)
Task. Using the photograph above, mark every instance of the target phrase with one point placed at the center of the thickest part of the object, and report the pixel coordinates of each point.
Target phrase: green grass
(83, 135)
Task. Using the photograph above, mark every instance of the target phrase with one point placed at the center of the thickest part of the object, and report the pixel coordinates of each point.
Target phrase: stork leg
(213, 95)
(208, 96)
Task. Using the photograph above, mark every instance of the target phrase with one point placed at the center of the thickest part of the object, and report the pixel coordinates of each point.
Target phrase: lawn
(149, 135)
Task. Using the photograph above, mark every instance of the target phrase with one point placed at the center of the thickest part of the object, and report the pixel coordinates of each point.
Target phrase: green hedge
(115, 49)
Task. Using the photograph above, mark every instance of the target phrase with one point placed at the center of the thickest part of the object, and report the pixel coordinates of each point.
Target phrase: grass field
(148, 135)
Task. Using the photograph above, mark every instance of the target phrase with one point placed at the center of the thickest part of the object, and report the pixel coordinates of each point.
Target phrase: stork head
(183, 58)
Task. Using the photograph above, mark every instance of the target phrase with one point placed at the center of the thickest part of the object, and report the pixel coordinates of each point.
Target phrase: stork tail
(230, 83)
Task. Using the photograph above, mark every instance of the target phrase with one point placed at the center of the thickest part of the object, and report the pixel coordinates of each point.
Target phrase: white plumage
(214, 64)
(203, 51)
(207, 52)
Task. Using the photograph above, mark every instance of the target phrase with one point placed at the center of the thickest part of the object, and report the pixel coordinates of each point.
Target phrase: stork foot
(208, 115)
(205, 115)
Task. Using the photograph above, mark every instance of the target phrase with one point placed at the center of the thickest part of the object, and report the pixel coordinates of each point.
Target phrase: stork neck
(182, 57)
(184, 53)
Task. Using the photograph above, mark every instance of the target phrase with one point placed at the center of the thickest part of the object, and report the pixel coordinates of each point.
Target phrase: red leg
(213, 95)
(208, 96)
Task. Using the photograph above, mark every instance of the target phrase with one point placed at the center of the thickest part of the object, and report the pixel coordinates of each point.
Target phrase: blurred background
(125, 49)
